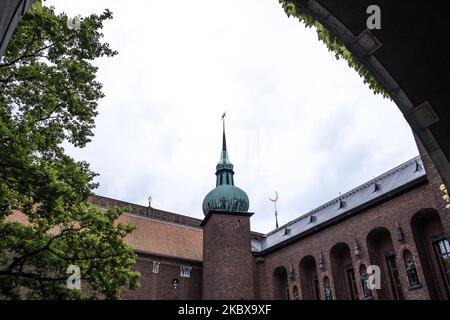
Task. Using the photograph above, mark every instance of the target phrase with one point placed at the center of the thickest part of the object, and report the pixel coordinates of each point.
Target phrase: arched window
(280, 284)
(382, 254)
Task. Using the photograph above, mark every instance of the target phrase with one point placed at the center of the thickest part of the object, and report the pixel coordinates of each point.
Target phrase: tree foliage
(339, 50)
(49, 95)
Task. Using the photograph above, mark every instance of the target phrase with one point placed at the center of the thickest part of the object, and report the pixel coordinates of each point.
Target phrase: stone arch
(345, 286)
(434, 252)
(309, 281)
(382, 254)
(260, 278)
(280, 284)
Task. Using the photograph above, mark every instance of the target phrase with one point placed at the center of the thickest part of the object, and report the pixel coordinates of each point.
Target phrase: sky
(299, 122)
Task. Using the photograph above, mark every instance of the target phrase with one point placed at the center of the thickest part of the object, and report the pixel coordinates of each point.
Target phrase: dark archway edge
(407, 56)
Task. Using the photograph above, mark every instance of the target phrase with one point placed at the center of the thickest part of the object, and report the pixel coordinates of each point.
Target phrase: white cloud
(299, 121)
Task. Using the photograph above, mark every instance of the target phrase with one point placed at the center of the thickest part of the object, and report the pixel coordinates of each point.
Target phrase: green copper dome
(225, 197)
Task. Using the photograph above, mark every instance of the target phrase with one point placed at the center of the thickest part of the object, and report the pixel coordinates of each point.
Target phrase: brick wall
(159, 285)
(227, 259)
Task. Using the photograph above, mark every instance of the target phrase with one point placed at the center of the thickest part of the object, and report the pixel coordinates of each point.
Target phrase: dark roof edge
(168, 257)
(357, 210)
(143, 211)
(224, 212)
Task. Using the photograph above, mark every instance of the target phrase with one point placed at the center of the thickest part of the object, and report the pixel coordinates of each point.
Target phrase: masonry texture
(227, 257)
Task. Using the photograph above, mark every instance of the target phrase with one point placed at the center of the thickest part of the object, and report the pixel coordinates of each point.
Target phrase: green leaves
(48, 95)
(337, 48)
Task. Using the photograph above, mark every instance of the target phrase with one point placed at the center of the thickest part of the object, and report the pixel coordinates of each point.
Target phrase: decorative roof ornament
(376, 187)
(149, 201)
(274, 200)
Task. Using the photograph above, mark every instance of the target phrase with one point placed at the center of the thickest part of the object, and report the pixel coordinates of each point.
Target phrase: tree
(49, 95)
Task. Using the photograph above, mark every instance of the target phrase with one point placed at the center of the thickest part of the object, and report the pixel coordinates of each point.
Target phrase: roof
(376, 189)
(159, 232)
(149, 212)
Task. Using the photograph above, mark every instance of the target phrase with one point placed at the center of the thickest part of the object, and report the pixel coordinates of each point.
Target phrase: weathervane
(274, 200)
(223, 119)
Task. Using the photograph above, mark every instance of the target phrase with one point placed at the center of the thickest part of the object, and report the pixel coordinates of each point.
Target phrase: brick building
(396, 222)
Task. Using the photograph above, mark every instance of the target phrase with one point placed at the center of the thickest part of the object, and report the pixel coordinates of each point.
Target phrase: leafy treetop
(49, 95)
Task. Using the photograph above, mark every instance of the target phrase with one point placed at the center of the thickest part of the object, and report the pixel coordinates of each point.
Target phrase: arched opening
(260, 279)
(382, 254)
(309, 282)
(343, 272)
(280, 284)
(434, 252)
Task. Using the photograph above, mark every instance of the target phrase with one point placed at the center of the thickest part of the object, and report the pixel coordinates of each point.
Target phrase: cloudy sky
(299, 122)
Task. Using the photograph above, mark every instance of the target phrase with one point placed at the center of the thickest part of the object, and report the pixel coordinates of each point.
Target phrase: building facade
(386, 239)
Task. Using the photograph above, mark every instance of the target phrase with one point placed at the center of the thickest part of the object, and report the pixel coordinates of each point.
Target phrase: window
(394, 277)
(352, 283)
(228, 178)
(376, 187)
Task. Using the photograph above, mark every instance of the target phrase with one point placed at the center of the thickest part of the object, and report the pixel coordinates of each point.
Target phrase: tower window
(228, 179)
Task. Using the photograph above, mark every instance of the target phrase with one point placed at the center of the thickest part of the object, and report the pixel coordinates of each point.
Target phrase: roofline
(148, 253)
(178, 225)
(195, 221)
(413, 184)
